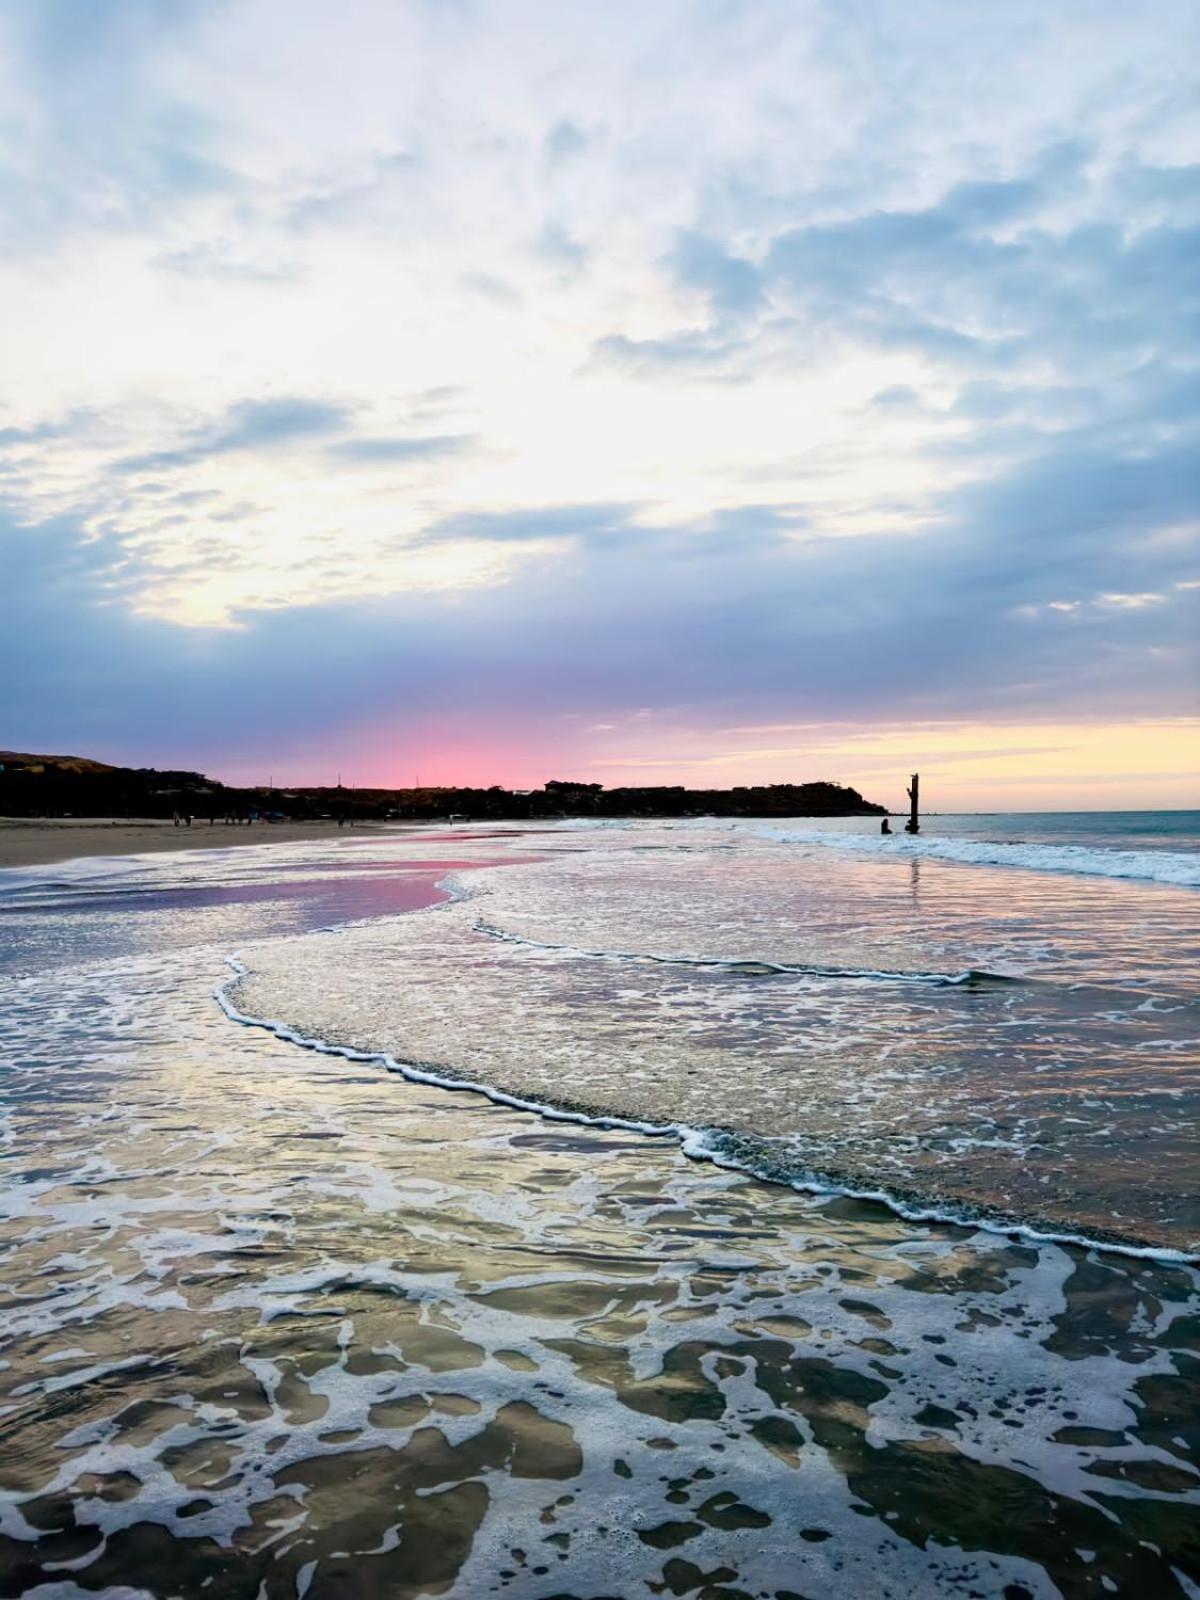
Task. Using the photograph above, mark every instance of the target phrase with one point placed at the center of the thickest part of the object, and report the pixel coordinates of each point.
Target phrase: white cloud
(912, 276)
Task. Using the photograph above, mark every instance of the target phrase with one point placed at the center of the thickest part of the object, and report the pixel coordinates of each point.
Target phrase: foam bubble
(1176, 867)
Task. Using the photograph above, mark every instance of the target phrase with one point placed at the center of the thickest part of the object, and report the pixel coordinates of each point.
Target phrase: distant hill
(41, 785)
(34, 785)
(26, 762)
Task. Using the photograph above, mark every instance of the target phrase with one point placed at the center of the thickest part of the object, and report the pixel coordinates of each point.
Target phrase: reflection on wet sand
(1037, 1066)
(280, 1324)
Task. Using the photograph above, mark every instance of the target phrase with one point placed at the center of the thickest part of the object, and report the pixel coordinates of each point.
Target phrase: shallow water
(277, 1322)
(1017, 1045)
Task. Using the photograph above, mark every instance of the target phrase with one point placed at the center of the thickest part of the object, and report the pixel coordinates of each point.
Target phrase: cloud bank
(498, 384)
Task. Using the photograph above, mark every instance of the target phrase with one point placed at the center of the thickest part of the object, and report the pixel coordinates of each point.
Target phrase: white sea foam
(700, 1144)
(744, 964)
(1176, 867)
(573, 1277)
(88, 879)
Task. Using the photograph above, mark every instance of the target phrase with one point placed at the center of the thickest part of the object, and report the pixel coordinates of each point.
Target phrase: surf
(1174, 868)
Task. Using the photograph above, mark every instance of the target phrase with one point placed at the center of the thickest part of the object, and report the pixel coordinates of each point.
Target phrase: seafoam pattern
(278, 1323)
(844, 1028)
(280, 1307)
(1178, 868)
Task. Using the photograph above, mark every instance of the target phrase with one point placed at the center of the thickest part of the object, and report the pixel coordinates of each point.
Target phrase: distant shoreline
(37, 786)
(26, 842)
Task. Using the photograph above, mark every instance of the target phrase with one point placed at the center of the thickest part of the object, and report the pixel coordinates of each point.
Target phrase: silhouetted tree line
(32, 786)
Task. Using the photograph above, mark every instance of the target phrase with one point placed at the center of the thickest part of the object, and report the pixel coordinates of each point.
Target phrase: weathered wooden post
(913, 824)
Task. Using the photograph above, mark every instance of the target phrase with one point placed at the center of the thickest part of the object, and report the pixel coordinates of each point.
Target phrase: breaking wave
(739, 1153)
(752, 968)
(1179, 868)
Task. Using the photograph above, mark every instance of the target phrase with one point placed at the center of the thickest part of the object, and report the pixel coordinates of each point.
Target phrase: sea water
(517, 1316)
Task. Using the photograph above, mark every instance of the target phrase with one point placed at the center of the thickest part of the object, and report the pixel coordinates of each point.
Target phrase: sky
(662, 391)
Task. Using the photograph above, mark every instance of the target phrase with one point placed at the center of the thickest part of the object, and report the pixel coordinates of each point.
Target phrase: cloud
(534, 524)
(251, 425)
(698, 352)
(383, 451)
(564, 140)
(491, 288)
(97, 137)
(737, 620)
(11, 438)
(225, 261)
(804, 368)
(982, 281)
(731, 283)
(259, 424)
(556, 244)
(897, 397)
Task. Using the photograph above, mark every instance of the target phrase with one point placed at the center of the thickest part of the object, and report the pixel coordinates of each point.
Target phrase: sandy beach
(26, 842)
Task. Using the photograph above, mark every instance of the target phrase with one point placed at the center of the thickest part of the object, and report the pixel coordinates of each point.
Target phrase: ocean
(718, 1208)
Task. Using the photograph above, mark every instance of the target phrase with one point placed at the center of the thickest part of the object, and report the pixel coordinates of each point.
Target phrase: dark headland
(43, 786)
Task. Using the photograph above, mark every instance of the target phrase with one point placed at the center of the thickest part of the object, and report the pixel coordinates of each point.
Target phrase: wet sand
(37, 843)
(277, 1323)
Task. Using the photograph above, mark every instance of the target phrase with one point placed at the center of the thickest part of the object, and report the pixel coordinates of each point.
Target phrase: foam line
(750, 966)
(1176, 868)
(418, 1074)
(693, 1142)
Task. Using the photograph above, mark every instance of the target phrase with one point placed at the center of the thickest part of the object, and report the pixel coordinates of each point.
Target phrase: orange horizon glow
(1143, 765)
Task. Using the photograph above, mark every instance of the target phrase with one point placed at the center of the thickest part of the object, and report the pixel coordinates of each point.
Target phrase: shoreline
(26, 842)
(698, 1145)
(640, 1366)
